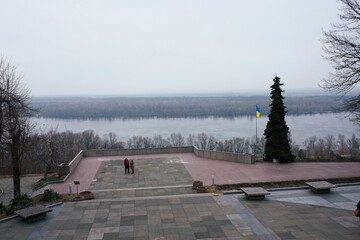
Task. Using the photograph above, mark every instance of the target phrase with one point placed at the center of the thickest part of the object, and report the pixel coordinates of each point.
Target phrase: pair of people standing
(129, 164)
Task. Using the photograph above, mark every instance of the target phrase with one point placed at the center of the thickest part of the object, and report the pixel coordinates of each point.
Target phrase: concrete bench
(34, 213)
(320, 186)
(255, 193)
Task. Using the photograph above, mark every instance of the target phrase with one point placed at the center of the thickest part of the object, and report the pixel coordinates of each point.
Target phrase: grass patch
(39, 199)
(51, 178)
(212, 189)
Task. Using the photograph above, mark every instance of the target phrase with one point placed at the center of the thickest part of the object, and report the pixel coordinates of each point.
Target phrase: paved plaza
(157, 202)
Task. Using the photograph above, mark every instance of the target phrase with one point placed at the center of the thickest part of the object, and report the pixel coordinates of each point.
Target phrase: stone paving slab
(148, 173)
(163, 218)
(303, 221)
(196, 217)
(342, 197)
(131, 193)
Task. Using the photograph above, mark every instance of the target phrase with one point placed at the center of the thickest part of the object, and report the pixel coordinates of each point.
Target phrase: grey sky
(72, 47)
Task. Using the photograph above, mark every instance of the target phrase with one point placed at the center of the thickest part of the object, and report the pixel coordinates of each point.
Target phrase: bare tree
(14, 118)
(330, 143)
(353, 145)
(342, 48)
(159, 141)
(176, 140)
(202, 141)
(228, 145)
(139, 142)
(320, 148)
(191, 140)
(310, 146)
(147, 142)
(212, 143)
(110, 141)
(220, 146)
(90, 139)
(342, 148)
(239, 145)
(43, 151)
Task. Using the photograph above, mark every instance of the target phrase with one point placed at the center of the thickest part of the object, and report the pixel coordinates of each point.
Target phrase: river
(301, 126)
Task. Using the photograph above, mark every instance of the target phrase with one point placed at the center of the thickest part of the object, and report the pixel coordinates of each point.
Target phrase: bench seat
(34, 213)
(320, 186)
(255, 193)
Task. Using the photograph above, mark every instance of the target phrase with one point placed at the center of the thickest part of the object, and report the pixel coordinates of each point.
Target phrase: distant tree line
(49, 150)
(329, 148)
(165, 107)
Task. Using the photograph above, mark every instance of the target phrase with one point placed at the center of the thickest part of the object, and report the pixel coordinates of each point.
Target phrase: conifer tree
(277, 144)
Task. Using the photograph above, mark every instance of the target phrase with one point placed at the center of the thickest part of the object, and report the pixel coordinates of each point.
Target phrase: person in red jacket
(126, 165)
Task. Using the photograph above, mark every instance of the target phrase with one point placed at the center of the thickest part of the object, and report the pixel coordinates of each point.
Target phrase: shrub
(20, 202)
(50, 195)
(2, 208)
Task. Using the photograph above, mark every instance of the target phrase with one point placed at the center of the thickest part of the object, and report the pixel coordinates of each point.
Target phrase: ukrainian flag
(258, 111)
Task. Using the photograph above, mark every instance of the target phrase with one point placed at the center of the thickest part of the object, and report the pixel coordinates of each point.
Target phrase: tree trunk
(15, 155)
(16, 178)
(1, 119)
(47, 169)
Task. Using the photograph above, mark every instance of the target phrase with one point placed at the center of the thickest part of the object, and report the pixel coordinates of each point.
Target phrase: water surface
(301, 126)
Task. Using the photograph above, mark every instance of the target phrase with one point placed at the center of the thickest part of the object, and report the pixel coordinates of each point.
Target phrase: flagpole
(257, 115)
(256, 139)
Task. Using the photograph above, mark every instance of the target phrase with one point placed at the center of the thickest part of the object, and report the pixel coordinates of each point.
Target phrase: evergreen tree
(277, 132)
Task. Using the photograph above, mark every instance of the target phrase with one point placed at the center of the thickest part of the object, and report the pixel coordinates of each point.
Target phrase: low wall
(73, 164)
(222, 156)
(141, 151)
(225, 156)
(67, 169)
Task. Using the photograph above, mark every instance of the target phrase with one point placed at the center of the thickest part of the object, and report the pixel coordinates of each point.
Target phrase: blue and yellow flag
(258, 111)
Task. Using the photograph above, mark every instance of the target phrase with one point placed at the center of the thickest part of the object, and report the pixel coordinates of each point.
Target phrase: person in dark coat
(132, 166)
(126, 165)
(357, 210)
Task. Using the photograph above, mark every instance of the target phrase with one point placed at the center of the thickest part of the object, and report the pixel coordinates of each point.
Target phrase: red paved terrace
(224, 172)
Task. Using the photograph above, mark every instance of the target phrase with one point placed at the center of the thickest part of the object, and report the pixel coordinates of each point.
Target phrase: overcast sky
(73, 47)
